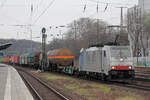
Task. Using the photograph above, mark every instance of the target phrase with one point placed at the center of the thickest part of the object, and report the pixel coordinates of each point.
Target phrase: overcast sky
(60, 12)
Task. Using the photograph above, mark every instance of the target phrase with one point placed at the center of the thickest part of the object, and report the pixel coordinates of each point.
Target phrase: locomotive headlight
(121, 59)
(130, 67)
(113, 67)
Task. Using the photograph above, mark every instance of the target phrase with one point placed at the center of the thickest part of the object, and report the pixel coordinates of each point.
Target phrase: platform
(12, 86)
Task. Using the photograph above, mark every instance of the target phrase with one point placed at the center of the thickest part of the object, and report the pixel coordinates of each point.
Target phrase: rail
(43, 83)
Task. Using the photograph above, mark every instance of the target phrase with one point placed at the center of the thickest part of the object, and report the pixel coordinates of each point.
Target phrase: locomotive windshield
(120, 52)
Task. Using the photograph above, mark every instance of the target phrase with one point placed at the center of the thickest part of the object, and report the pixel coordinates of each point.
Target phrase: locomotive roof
(107, 46)
(104, 44)
(92, 49)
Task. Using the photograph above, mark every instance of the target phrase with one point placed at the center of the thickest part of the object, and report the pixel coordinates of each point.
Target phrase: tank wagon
(108, 62)
(60, 59)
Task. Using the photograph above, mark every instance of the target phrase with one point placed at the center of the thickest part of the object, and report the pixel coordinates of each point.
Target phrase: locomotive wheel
(103, 77)
(108, 78)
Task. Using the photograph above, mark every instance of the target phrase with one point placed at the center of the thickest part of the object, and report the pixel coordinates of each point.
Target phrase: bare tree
(138, 29)
(134, 28)
(83, 32)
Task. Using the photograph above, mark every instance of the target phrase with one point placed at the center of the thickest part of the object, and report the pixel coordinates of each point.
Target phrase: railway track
(138, 86)
(39, 89)
(34, 92)
(133, 84)
(144, 79)
(129, 84)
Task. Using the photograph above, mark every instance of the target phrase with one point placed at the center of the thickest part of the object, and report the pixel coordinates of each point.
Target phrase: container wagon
(37, 60)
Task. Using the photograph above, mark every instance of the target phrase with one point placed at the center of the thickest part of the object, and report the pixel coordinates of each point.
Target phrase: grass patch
(82, 89)
(130, 98)
(72, 86)
(84, 92)
(55, 77)
(89, 90)
(103, 88)
(93, 98)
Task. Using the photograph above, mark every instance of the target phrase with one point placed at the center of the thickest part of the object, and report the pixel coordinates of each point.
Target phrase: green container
(1, 59)
(12, 60)
(30, 58)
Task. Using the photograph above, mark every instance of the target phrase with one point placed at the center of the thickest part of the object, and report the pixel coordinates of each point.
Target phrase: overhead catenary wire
(95, 1)
(39, 3)
(84, 8)
(106, 7)
(44, 11)
(97, 7)
(85, 5)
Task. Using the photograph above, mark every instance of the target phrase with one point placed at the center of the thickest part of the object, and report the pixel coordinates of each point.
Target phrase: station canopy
(5, 46)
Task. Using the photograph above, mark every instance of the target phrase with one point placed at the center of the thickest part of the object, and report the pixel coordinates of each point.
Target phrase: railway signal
(44, 56)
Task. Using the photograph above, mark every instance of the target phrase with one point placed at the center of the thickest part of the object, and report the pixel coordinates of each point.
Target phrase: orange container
(7, 59)
(16, 59)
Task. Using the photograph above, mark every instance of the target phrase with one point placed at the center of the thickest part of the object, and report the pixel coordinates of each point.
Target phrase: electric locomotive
(107, 62)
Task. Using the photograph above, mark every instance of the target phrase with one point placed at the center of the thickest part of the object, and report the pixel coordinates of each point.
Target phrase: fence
(141, 61)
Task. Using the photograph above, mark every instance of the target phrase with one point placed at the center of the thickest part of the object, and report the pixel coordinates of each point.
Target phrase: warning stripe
(56, 57)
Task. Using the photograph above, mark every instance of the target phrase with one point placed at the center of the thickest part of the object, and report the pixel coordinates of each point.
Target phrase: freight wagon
(30, 59)
(1, 56)
(23, 60)
(61, 60)
(37, 60)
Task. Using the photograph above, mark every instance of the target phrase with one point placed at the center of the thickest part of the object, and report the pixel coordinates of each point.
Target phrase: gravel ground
(92, 90)
(44, 92)
(79, 89)
(142, 72)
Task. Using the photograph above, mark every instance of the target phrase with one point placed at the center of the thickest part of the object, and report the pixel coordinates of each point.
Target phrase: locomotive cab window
(120, 52)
